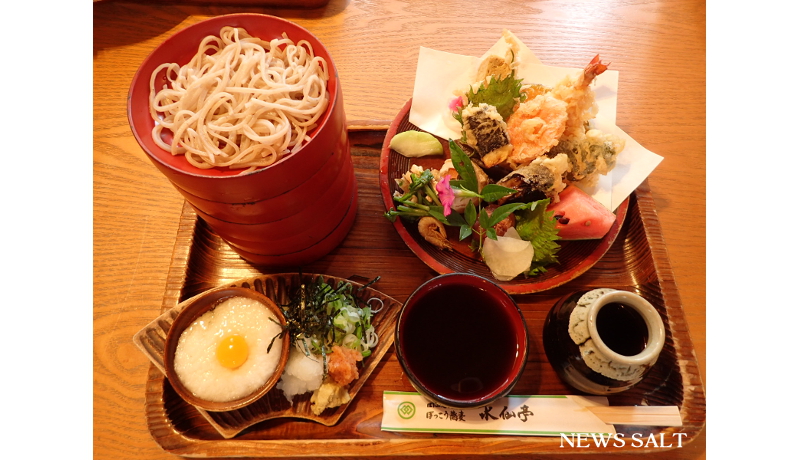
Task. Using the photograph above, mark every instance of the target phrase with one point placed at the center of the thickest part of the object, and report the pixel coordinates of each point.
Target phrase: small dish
(151, 341)
(461, 340)
(198, 307)
(575, 257)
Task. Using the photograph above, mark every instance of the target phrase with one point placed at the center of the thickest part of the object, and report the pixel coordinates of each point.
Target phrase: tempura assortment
(543, 124)
(521, 145)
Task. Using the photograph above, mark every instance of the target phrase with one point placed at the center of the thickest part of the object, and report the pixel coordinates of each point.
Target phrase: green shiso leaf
(502, 94)
(537, 225)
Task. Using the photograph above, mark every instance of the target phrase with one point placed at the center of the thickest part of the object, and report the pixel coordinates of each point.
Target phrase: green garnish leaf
(501, 212)
(464, 232)
(463, 165)
(502, 94)
(470, 216)
(536, 270)
(483, 219)
(494, 192)
(470, 213)
(455, 219)
(537, 225)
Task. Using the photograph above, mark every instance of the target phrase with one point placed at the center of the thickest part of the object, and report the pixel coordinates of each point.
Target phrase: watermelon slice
(579, 216)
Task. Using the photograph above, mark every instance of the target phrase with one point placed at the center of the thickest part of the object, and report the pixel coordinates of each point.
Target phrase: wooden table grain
(657, 46)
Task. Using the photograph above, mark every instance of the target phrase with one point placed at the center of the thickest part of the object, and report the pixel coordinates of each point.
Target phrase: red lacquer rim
(515, 286)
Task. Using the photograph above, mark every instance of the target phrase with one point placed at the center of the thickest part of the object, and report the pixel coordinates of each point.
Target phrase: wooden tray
(637, 261)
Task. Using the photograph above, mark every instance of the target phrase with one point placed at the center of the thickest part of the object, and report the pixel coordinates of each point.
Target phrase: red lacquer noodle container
(287, 214)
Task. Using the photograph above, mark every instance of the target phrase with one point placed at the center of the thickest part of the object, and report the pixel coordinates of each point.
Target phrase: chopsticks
(638, 415)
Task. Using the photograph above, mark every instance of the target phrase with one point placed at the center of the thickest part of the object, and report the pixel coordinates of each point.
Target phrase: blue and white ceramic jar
(603, 341)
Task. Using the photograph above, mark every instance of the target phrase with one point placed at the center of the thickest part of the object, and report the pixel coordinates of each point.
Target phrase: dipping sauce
(458, 343)
(622, 329)
(222, 355)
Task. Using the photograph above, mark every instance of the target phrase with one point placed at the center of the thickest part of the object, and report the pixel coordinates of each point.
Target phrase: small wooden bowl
(197, 307)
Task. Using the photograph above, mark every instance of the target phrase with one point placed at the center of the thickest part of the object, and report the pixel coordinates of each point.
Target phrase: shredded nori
(310, 313)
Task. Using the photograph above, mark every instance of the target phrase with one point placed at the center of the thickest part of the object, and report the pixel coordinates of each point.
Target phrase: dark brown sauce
(622, 329)
(457, 344)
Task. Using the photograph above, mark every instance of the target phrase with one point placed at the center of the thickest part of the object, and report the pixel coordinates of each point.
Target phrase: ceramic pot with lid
(603, 341)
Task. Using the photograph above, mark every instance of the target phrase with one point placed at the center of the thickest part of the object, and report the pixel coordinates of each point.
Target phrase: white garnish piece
(508, 256)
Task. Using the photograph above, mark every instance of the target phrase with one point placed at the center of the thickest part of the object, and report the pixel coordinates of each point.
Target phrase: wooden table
(658, 47)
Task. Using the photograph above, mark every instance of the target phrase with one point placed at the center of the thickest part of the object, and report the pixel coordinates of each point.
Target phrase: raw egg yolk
(232, 351)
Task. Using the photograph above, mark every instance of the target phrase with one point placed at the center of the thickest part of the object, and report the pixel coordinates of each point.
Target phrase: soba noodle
(241, 101)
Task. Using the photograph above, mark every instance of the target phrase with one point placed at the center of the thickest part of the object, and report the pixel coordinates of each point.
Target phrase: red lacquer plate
(575, 257)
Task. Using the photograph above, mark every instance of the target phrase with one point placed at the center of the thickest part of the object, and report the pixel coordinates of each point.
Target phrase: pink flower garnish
(456, 103)
(446, 195)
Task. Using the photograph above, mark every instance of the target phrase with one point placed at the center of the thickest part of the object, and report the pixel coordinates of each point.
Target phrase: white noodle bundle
(241, 101)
